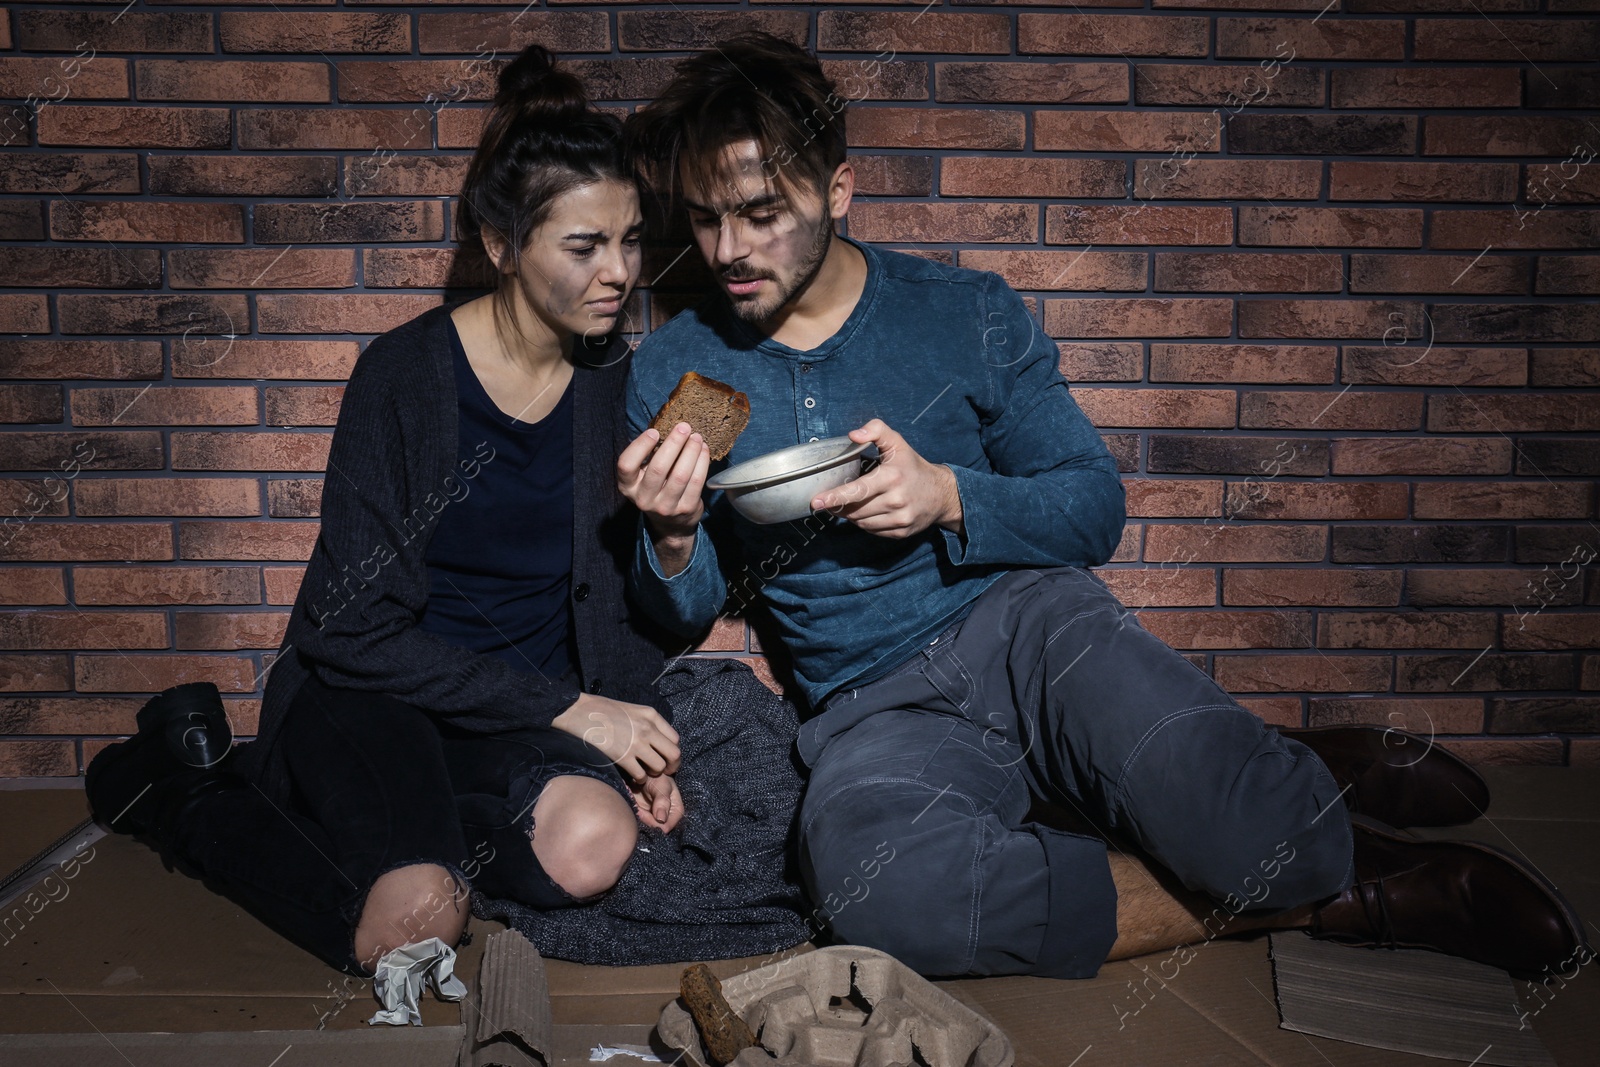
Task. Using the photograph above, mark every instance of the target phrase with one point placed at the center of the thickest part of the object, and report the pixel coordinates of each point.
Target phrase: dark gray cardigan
(392, 469)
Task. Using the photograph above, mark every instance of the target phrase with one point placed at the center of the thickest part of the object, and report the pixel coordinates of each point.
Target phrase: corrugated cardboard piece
(513, 1027)
(1410, 1000)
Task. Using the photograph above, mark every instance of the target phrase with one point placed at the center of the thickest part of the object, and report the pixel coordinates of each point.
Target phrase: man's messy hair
(750, 87)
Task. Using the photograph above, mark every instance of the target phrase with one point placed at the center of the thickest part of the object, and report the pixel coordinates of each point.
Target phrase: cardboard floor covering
(133, 953)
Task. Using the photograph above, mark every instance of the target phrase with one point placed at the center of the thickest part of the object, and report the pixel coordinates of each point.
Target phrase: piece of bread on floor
(715, 410)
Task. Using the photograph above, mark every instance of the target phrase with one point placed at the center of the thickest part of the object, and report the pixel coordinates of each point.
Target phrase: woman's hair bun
(530, 85)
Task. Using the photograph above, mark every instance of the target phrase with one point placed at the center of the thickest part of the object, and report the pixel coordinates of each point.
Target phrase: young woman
(462, 697)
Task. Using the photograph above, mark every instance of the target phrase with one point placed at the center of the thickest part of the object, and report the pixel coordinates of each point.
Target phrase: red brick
(1551, 630)
(1395, 321)
(1550, 183)
(52, 80)
(437, 82)
(329, 360)
(1217, 543)
(21, 220)
(1123, 131)
(147, 221)
(89, 541)
(1296, 364)
(1220, 179)
(1568, 276)
(1385, 180)
(1295, 586)
(1229, 629)
(459, 127)
(1278, 711)
(32, 585)
(678, 31)
(75, 630)
(479, 34)
(283, 583)
(421, 220)
(1138, 317)
(314, 128)
(355, 313)
(1518, 136)
(233, 81)
(1170, 498)
(1235, 86)
(1511, 413)
(1585, 752)
(394, 175)
(1499, 753)
(1521, 715)
(1421, 543)
(425, 268)
(266, 540)
(944, 222)
(1329, 410)
(221, 405)
(31, 403)
(1079, 271)
(314, 32)
(1537, 229)
(1489, 587)
(1161, 587)
(89, 268)
(261, 268)
(1174, 453)
(22, 499)
(1306, 39)
(1564, 366)
(854, 80)
(1591, 672)
(31, 674)
(24, 313)
(82, 359)
(153, 673)
(1517, 323)
(67, 715)
(934, 127)
(1398, 87)
(37, 759)
(1266, 499)
(65, 453)
(66, 173)
(105, 31)
(135, 127)
(1289, 673)
(1427, 365)
(1532, 39)
(1405, 629)
(191, 316)
(1247, 272)
(229, 630)
(311, 405)
(1107, 361)
(881, 31)
(294, 498)
(1392, 455)
(167, 495)
(1120, 407)
(1112, 35)
(271, 450)
(727, 634)
(1331, 227)
(1031, 177)
(1137, 225)
(1031, 83)
(1504, 500)
(1471, 672)
(1127, 550)
(1399, 272)
(243, 175)
(1427, 716)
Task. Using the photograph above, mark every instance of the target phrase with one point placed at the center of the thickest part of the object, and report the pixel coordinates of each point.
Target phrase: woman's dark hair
(752, 86)
(541, 140)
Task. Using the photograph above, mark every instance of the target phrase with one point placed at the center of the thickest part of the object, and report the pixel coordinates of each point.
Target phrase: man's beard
(757, 312)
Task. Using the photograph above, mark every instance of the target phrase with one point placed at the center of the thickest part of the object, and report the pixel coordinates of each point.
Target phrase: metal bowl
(779, 486)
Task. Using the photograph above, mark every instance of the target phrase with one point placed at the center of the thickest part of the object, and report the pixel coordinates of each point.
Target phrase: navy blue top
(500, 558)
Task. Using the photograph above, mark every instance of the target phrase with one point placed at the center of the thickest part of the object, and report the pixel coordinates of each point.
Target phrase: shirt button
(594, 686)
(581, 591)
(810, 402)
(805, 368)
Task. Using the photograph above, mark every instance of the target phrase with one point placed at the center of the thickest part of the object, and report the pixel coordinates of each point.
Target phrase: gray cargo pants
(913, 837)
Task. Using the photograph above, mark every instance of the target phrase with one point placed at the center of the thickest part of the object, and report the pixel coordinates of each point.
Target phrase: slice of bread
(716, 410)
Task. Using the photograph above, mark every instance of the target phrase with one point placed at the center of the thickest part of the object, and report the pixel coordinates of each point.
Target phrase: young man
(958, 656)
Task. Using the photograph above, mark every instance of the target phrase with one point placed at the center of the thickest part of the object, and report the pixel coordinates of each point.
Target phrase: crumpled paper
(401, 974)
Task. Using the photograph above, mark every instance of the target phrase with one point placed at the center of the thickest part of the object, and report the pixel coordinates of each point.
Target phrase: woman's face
(577, 269)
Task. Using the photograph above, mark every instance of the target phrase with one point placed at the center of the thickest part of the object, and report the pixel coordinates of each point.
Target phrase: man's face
(763, 247)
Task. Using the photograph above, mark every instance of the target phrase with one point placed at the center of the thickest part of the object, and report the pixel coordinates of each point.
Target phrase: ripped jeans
(380, 784)
(1049, 688)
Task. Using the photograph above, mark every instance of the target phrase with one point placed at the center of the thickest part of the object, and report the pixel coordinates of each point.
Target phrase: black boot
(183, 740)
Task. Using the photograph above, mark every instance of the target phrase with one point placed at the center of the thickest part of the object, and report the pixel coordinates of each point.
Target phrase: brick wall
(1326, 278)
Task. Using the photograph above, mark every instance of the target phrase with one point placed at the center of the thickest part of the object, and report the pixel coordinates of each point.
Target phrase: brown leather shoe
(1458, 897)
(1399, 778)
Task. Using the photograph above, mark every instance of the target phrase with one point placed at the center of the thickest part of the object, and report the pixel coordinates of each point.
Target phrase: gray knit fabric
(722, 884)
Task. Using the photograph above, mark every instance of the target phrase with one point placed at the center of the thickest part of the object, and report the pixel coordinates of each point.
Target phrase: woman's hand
(633, 736)
(658, 802)
(666, 486)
